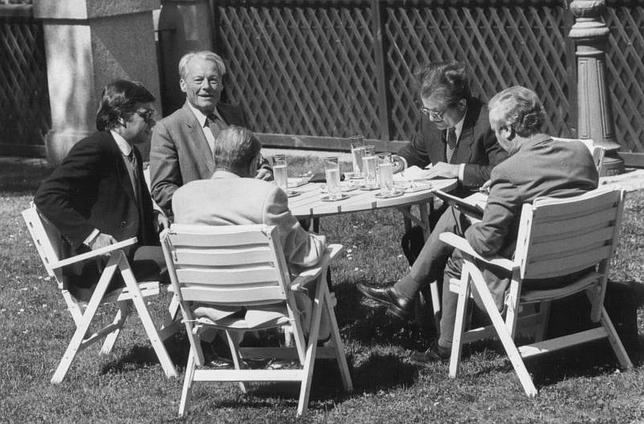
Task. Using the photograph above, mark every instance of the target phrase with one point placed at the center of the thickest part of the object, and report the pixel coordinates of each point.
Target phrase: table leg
(423, 210)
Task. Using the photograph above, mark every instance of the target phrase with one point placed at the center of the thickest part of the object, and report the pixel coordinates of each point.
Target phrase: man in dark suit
(537, 166)
(98, 196)
(183, 142)
(454, 134)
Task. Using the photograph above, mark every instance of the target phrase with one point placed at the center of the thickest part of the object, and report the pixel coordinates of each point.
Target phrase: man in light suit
(183, 142)
(233, 197)
(537, 166)
(97, 196)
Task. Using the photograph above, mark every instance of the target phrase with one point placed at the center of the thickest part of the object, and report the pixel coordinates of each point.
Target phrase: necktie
(134, 173)
(450, 139)
(215, 124)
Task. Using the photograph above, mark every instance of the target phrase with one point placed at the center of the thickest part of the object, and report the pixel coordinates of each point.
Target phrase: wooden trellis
(24, 97)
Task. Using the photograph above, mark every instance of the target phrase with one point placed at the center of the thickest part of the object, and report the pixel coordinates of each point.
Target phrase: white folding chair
(243, 266)
(557, 237)
(597, 152)
(47, 240)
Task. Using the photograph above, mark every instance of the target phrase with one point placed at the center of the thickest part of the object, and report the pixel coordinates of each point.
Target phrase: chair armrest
(95, 253)
(309, 274)
(462, 244)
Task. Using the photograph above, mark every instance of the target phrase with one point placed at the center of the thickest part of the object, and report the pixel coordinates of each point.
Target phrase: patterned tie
(215, 124)
(450, 139)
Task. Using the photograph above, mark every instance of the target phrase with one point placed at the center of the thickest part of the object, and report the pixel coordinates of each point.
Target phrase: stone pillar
(184, 25)
(595, 119)
(89, 43)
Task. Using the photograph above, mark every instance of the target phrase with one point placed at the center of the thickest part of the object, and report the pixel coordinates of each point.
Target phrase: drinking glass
(279, 171)
(370, 168)
(332, 174)
(357, 153)
(386, 174)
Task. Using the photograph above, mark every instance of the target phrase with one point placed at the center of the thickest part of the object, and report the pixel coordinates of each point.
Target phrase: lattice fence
(311, 67)
(625, 72)
(24, 98)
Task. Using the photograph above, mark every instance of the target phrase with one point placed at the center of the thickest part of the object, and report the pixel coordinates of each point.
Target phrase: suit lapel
(196, 134)
(463, 152)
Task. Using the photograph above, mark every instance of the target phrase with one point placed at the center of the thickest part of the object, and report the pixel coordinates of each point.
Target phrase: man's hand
(265, 174)
(102, 240)
(162, 223)
(444, 170)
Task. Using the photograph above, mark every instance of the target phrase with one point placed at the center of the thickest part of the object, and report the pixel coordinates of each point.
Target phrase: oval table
(308, 201)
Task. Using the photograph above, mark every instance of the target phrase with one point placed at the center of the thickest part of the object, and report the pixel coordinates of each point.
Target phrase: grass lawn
(579, 385)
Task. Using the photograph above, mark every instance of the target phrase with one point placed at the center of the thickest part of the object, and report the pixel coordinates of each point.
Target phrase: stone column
(595, 119)
(88, 43)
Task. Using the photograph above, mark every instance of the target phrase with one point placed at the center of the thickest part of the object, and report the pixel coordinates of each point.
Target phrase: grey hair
(205, 55)
(518, 108)
(235, 149)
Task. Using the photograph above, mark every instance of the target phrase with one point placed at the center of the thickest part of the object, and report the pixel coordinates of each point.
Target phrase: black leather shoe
(397, 305)
(435, 353)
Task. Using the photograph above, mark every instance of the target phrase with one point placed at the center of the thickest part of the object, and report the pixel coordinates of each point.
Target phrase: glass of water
(370, 168)
(279, 171)
(357, 153)
(332, 174)
(386, 174)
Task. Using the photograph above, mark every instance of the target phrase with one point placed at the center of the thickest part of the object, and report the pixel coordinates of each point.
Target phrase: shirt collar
(458, 128)
(201, 118)
(124, 146)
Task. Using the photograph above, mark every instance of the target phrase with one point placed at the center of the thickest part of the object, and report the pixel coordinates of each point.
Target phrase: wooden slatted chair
(557, 237)
(597, 152)
(243, 266)
(47, 240)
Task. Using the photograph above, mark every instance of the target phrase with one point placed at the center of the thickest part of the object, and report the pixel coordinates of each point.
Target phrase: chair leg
(187, 382)
(338, 345)
(615, 341)
(459, 325)
(504, 334)
(146, 319)
(119, 320)
(172, 320)
(234, 353)
(311, 347)
(544, 313)
(436, 304)
(83, 325)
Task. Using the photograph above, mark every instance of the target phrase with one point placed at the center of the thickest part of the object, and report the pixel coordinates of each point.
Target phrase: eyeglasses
(146, 114)
(432, 114)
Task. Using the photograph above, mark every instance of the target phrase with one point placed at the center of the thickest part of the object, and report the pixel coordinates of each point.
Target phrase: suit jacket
(180, 153)
(477, 146)
(247, 201)
(91, 189)
(541, 167)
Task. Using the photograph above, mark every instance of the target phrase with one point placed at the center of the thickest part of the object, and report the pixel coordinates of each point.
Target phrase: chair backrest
(597, 152)
(561, 236)
(47, 240)
(226, 265)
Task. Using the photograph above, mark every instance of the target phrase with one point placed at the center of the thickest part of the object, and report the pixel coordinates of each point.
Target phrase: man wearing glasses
(454, 137)
(98, 196)
(454, 140)
(183, 143)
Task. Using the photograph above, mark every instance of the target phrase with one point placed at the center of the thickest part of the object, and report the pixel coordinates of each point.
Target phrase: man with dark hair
(537, 166)
(183, 143)
(454, 134)
(97, 196)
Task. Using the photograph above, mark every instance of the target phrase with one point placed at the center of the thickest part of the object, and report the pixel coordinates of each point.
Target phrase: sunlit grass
(575, 386)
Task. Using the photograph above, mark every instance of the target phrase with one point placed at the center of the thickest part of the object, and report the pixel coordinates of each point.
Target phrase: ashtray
(327, 198)
(292, 193)
(382, 195)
